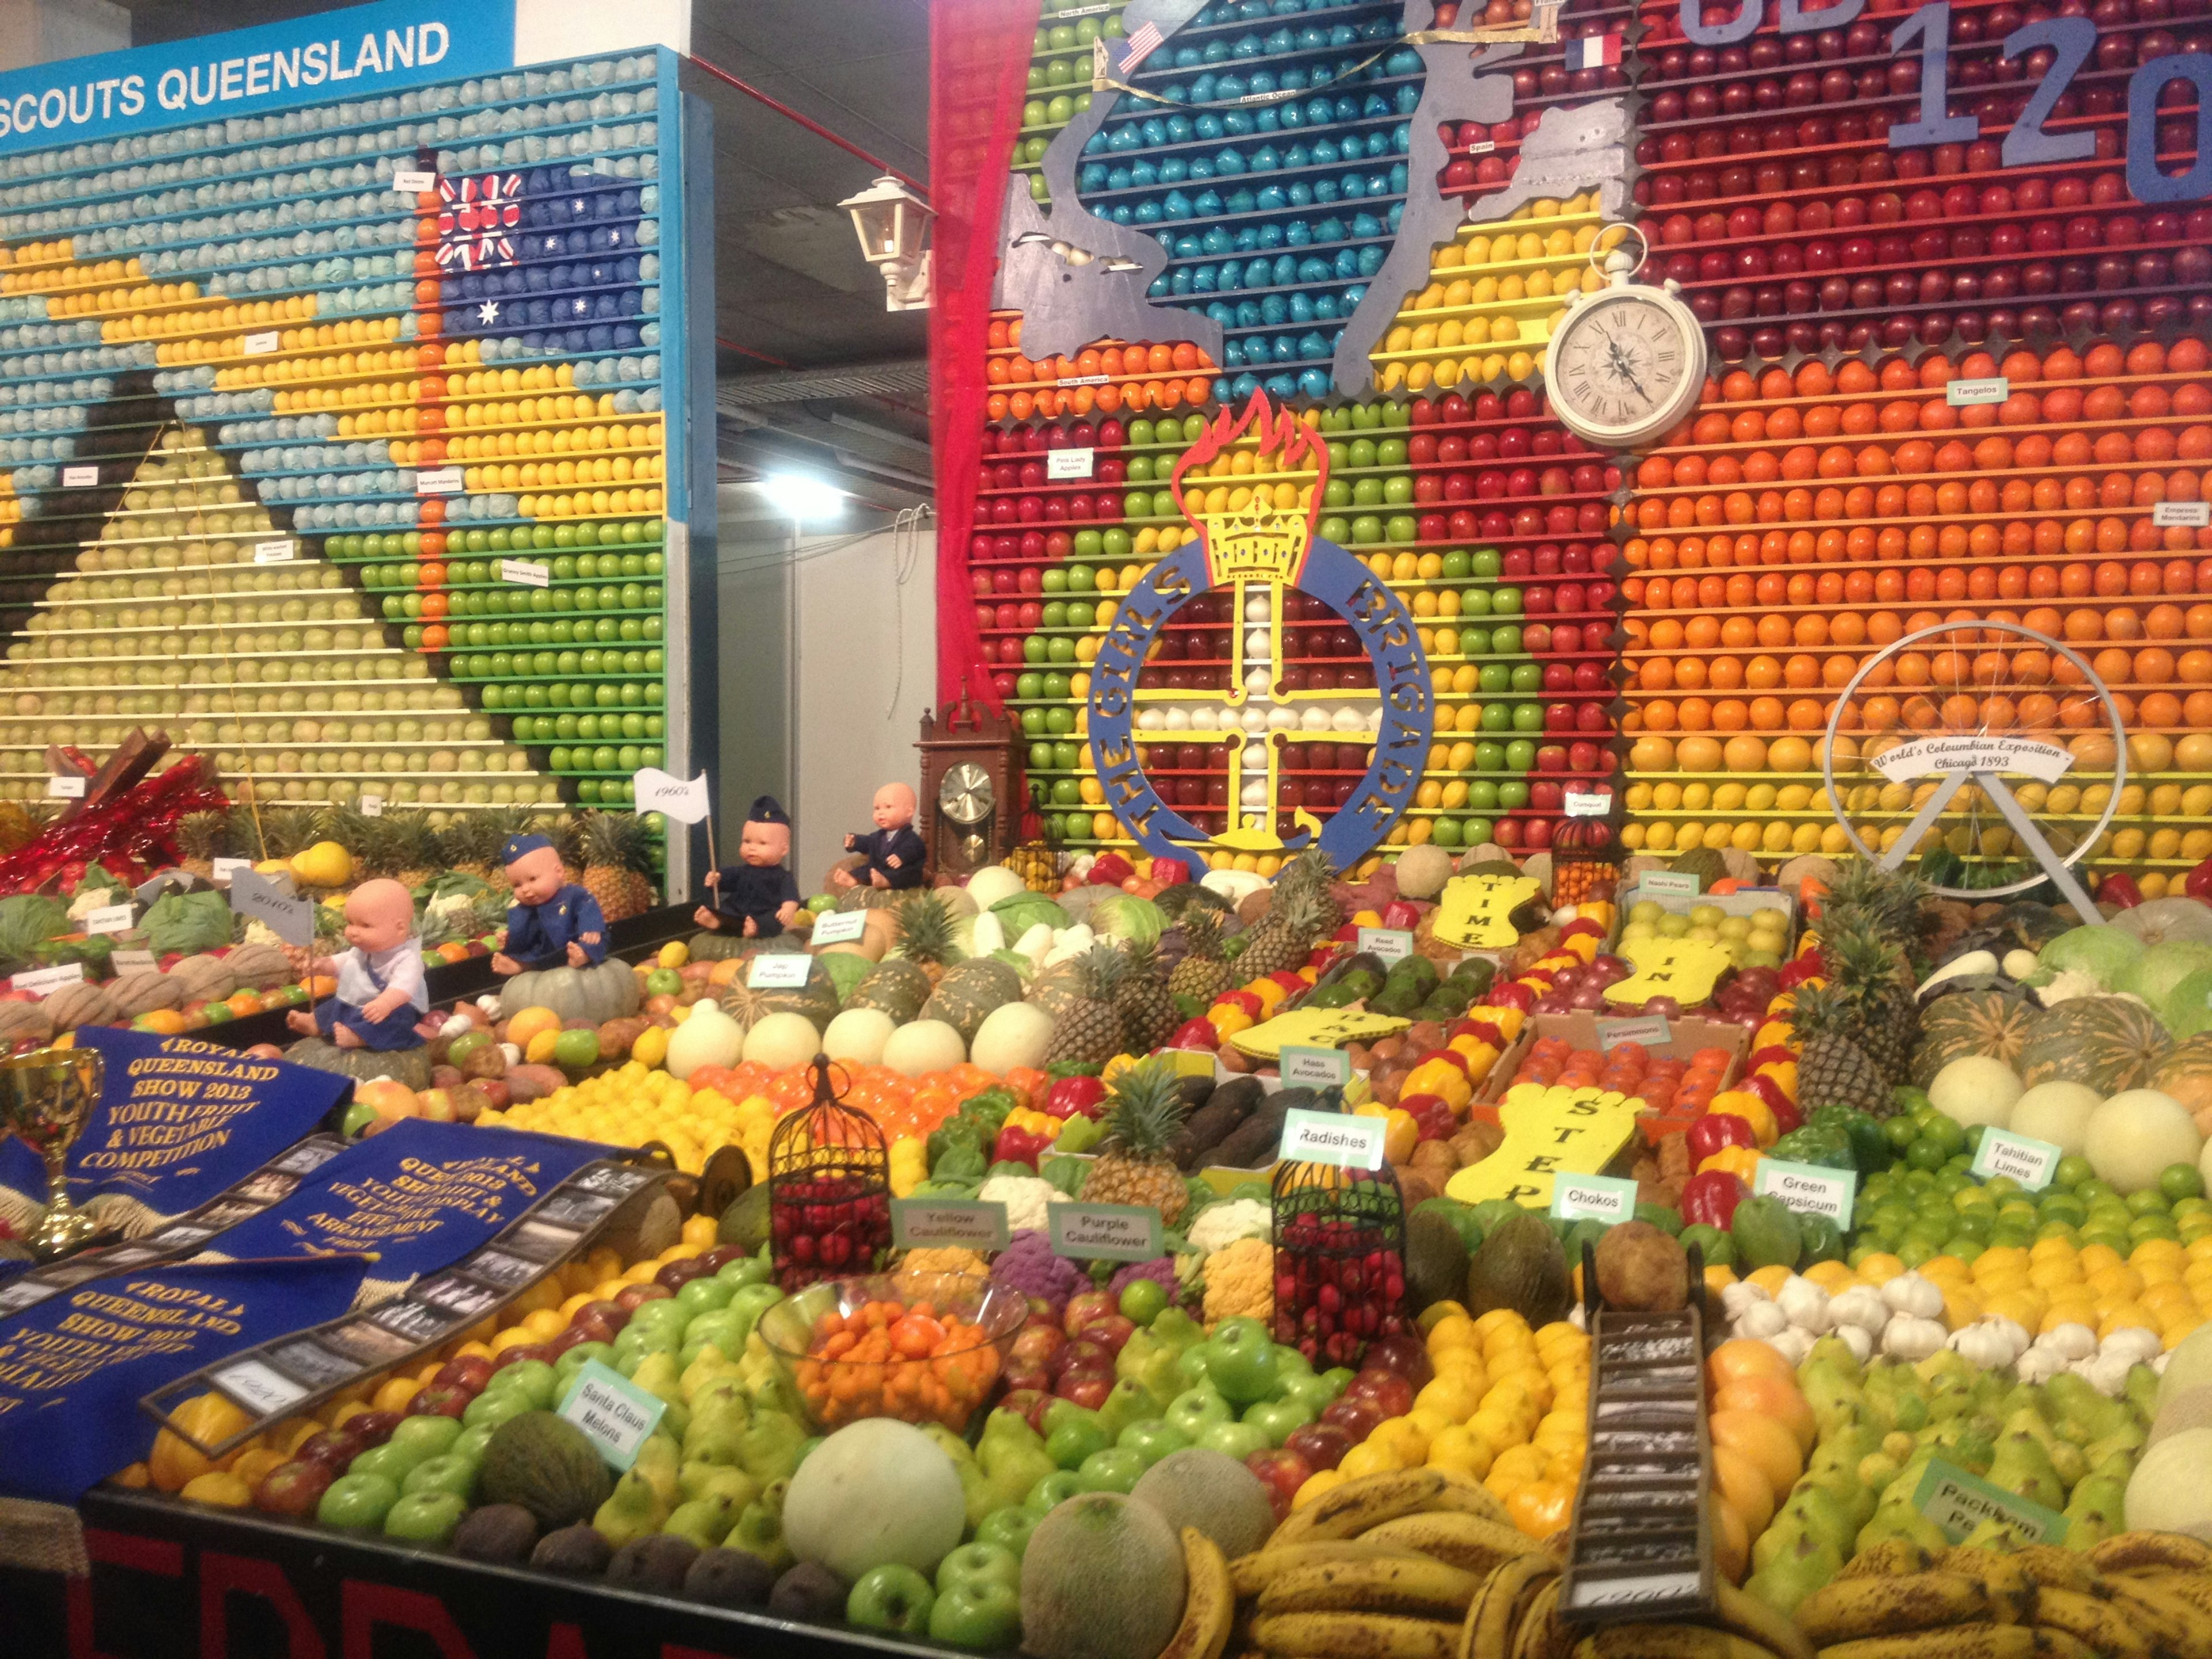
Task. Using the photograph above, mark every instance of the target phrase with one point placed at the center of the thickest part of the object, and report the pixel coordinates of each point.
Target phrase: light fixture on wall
(892, 222)
(803, 499)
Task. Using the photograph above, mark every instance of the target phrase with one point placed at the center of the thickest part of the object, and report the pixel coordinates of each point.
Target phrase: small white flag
(683, 799)
(1594, 52)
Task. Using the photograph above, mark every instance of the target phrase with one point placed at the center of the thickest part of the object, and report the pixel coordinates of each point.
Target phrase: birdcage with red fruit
(829, 1188)
(1585, 861)
(1340, 1240)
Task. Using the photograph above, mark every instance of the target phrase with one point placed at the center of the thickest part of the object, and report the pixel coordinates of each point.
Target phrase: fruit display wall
(334, 439)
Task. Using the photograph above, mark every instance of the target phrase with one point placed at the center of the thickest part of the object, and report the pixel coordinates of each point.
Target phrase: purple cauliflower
(1027, 1265)
(1160, 1268)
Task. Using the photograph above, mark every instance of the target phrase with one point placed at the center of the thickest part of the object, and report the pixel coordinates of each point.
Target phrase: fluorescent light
(796, 495)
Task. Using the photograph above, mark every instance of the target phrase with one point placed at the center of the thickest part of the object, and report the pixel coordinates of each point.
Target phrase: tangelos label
(1389, 944)
(1113, 1232)
(110, 919)
(1314, 1068)
(615, 1414)
(1958, 1501)
(784, 970)
(919, 1224)
(1597, 1197)
(1349, 1143)
(65, 786)
(840, 927)
(1966, 394)
(1810, 1188)
(2031, 1163)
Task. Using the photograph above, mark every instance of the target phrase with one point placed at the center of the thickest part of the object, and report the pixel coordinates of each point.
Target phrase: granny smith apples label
(1958, 1501)
(1386, 945)
(1314, 1068)
(1111, 1232)
(919, 1223)
(1332, 1138)
(1593, 1198)
(615, 1414)
(1810, 1189)
(2030, 1162)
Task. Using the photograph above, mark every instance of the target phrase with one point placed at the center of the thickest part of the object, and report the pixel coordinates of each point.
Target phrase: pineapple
(617, 853)
(283, 831)
(1871, 973)
(1833, 1070)
(568, 838)
(1148, 1011)
(204, 837)
(1144, 1111)
(1885, 902)
(1286, 934)
(1089, 1029)
(1201, 974)
(470, 842)
(418, 851)
(925, 931)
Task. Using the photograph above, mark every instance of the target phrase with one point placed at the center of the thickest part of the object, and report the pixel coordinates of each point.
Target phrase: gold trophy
(45, 1097)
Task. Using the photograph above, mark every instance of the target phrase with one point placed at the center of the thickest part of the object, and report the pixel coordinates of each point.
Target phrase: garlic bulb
(1793, 1345)
(2070, 1341)
(1908, 1293)
(1861, 1305)
(1985, 1349)
(1858, 1339)
(2108, 1373)
(1736, 1296)
(2141, 1346)
(1908, 1337)
(1762, 1320)
(1804, 1304)
(2038, 1365)
(2015, 1334)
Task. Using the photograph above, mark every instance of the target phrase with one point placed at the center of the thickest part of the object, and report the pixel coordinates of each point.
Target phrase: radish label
(1334, 1138)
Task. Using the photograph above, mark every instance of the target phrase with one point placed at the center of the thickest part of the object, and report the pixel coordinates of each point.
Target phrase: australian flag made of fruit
(549, 254)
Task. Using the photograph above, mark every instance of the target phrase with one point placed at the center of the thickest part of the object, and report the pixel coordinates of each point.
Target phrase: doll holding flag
(382, 992)
(757, 896)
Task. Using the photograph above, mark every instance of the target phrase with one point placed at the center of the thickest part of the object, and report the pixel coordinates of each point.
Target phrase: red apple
(1110, 1332)
(439, 1402)
(1082, 1310)
(1084, 1355)
(1086, 1387)
(333, 1448)
(1357, 1416)
(1037, 1345)
(1282, 1472)
(1402, 1355)
(293, 1489)
(1323, 1444)
(373, 1428)
(1392, 1395)
(1028, 1404)
(636, 1296)
(471, 1371)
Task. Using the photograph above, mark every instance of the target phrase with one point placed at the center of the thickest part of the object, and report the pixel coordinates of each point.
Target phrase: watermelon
(2110, 1044)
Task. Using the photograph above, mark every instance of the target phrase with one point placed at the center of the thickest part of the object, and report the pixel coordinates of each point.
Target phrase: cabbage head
(2105, 953)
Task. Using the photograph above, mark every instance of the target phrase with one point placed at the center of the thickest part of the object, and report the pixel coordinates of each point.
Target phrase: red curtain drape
(978, 60)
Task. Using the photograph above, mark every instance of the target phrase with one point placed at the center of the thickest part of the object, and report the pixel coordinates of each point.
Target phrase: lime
(1902, 1133)
(2195, 1227)
(1964, 1247)
(2153, 1226)
(2056, 1229)
(1974, 1198)
(2150, 1200)
(2011, 1238)
(2180, 1180)
(1924, 1157)
(2063, 1206)
(2001, 1187)
(2189, 1206)
(1917, 1252)
(2118, 1242)
(1910, 1100)
(1972, 1224)
(2088, 1185)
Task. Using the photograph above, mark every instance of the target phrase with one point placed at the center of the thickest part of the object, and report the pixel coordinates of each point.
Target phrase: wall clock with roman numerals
(1625, 363)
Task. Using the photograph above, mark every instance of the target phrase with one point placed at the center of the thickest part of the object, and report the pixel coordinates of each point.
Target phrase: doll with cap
(893, 856)
(553, 923)
(757, 896)
(382, 992)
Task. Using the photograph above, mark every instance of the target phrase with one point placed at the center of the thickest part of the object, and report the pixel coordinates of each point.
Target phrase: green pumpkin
(2109, 1044)
(594, 995)
(409, 1066)
(969, 991)
(816, 999)
(1993, 1024)
(715, 945)
(898, 987)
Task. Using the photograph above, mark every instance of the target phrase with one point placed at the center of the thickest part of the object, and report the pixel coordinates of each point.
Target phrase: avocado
(1436, 1258)
(745, 1223)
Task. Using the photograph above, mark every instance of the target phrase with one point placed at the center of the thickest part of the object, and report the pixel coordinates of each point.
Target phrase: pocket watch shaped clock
(1627, 363)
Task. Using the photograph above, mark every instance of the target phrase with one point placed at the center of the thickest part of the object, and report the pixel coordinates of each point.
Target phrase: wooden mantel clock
(970, 804)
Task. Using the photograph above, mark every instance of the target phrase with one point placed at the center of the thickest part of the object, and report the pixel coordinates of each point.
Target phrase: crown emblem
(1259, 541)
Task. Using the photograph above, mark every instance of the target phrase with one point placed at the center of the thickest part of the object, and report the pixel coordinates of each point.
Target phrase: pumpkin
(409, 1066)
(81, 1005)
(259, 967)
(816, 999)
(142, 992)
(1993, 1024)
(593, 995)
(2187, 1074)
(879, 932)
(971, 990)
(25, 1021)
(1059, 988)
(2110, 1044)
(712, 945)
(205, 978)
(898, 987)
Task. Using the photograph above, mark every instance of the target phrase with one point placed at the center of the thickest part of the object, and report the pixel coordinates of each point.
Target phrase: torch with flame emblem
(1261, 541)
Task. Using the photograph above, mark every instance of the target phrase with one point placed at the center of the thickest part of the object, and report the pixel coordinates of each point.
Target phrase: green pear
(1834, 1350)
(635, 1509)
(1793, 1573)
(659, 1458)
(1784, 1534)
(1844, 1449)
(2030, 1421)
(2141, 1393)
(2022, 1468)
(1876, 1470)
(697, 1480)
(1901, 1521)
(2068, 1462)
(1835, 1398)
(705, 1521)
(2097, 1510)
(1945, 1363)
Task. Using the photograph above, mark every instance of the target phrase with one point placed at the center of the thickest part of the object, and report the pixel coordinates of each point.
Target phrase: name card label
(414, 183)
(615, 1414)
(1314, 1068)
(1650, 1030)
(1958, 1501)
(1069, 463)
(1926, 757)
(258, 899)
(261, 345)
(941, 1224)
(372, 806)
(110, 919)
(1111, 1232)
(2030, 1162)
(225, 869)
(1593, 1198)
(80, 477)
(66, 786)
(1347, 1142)
(840, 927)
(438, 481)
(1810, 1189)
(131, 962)
(1668, 884)
(1578, 804)
(1390, 944)
(783, 971)
(1965, 394)
(273, 552)
(45, 981)
(525, 572)
(2181, 515)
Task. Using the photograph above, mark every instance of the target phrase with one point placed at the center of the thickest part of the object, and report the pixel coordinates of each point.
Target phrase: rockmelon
(923, 1046)
(782, 1040)
(858, 1034)
(1423, 871)
(1103, 1578)
(2110, 1044)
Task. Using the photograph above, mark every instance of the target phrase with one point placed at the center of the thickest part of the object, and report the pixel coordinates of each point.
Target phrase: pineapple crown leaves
(1141, 960)
(1201, 934)
(617, 838)
(926, 929)
(1863, 960)
(1865, 895)
(1105, 968)
(1143, 1109)
(1824, 1012)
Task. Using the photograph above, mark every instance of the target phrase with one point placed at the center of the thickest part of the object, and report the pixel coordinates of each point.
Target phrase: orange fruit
(1731, 1541)
(1774, 1397)
(1741, 1485)
(1769, 1445)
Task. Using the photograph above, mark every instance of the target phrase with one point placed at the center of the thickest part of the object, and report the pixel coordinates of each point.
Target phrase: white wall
(829, 658)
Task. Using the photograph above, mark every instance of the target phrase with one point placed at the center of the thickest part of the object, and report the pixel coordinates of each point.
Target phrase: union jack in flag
(475, 219)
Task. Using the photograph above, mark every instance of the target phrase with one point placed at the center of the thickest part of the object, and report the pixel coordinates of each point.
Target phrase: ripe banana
(1541, 1636)
(1981, 1641)
(1843, 1610)
(1464, 1495)
(2113, 1632)
(1890, 1557)
(1666, 1642)
(2012, 1591)
(1751, 1618)
(1417, 1586)
(1469, 1542)
(2152, 1552)
(1209, 1603)
(1355, 1636)
(1493, 1619)
(2194, 1587)
(2173, 1625)
(2053, 1568)
(1252, 1573)
(1368, 1500)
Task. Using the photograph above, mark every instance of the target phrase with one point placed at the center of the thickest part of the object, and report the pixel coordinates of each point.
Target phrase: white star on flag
(488, 311)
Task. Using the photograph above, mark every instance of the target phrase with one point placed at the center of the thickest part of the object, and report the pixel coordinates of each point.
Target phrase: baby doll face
(537, 876)
(379, 915)
(764, 844)
(894, 807)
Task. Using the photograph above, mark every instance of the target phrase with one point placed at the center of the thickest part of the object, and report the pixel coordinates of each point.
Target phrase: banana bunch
(2137, 1595)
(1744, 1627)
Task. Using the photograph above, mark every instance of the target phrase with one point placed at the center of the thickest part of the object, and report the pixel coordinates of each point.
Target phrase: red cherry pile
(1340, 1281)
(826, 1227)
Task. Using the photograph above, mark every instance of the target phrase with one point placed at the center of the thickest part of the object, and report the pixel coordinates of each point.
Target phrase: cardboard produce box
(1686, 1036)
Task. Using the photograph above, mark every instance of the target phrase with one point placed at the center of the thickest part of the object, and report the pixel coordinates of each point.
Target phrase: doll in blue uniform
(893, 855)
(552, 923)
(756, 897)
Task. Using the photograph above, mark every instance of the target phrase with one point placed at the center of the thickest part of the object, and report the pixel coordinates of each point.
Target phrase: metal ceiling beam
(907, 376)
